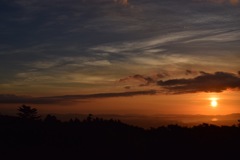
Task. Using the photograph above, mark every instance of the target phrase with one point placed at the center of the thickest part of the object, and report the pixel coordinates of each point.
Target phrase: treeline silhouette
(29, 136)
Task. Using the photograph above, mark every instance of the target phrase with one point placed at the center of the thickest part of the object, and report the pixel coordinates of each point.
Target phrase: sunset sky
(120, 56)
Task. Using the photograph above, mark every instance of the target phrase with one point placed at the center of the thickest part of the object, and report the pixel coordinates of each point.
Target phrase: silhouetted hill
(97, 138)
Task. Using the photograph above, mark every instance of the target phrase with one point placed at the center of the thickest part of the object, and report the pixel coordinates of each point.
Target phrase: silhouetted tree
(51, 119)
(26, 112)
(90, 117)
(77, 121)
(238, 122)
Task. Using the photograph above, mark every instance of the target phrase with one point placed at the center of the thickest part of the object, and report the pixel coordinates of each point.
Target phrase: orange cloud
(123, 2)
(234, 2)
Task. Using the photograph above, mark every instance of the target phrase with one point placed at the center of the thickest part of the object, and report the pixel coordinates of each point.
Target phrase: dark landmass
(31, 137)
(149, 121)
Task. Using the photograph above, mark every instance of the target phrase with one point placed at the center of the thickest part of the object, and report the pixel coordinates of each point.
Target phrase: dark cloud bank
(206, 82)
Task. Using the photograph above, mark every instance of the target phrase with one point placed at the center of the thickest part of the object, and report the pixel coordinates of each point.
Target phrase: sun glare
(214, 102)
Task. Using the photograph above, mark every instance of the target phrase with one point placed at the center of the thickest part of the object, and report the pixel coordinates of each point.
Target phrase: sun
(214, 102)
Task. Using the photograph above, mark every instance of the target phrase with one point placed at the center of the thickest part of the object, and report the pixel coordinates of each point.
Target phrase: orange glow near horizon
(193, 104)
(198, 103)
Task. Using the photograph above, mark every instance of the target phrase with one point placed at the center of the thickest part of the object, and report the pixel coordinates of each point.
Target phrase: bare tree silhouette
(26, 112)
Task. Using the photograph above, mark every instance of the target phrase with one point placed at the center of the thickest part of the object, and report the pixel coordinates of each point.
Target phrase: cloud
(40, 4)
(127, 87)
(98, 63)
(146, 44)
(144, 80)
(14, 99)
(107, 95)
(123, 2)
(232, 2)
(206, 82)
(192, 72)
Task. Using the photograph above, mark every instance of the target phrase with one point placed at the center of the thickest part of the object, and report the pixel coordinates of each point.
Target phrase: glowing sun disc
(214, 103)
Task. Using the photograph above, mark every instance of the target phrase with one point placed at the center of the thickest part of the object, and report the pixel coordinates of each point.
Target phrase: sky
(120, 56)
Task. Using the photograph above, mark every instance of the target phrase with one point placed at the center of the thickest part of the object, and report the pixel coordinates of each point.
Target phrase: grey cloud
(46, 3)
(232, 2)
(14, 99)
(206, 82)
(145, 79)
(107, 95)
(193, 72)
(188, 72)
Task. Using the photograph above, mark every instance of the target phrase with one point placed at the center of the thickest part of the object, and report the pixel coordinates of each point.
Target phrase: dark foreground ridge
(29, 137)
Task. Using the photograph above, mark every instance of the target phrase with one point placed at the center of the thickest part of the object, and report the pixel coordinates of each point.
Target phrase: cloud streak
(232, 2)
(14, 99)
